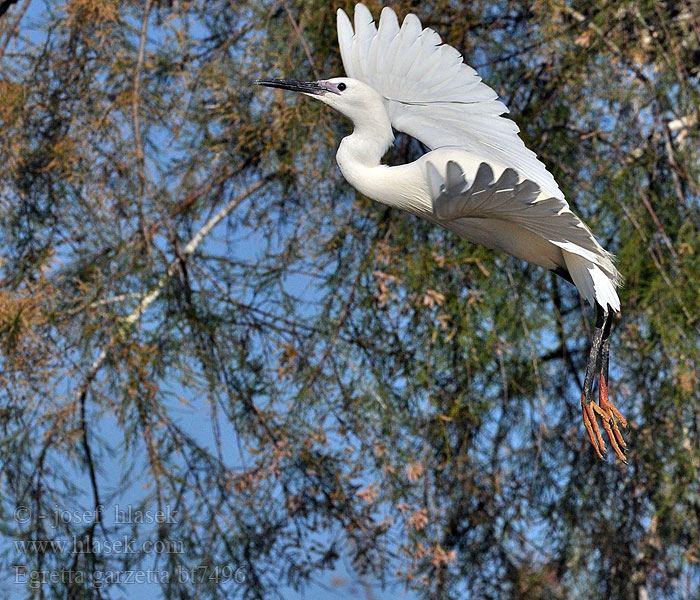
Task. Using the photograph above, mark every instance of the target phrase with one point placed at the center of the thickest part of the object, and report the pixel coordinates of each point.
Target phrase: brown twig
(302, 41)
(12, 29)
(136, 125)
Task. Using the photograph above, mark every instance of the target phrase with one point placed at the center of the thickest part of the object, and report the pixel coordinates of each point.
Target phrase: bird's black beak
(315, 88)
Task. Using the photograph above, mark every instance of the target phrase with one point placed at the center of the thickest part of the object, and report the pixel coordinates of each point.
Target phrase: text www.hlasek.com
(77, 545)
(98, 578)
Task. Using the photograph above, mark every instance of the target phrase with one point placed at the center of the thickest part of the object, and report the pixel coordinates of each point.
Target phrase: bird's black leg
(598, 361)
(605, 349)
(594, 363)
(610, 414)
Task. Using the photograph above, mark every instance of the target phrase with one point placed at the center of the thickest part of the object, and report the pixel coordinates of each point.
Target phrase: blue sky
(339, 583)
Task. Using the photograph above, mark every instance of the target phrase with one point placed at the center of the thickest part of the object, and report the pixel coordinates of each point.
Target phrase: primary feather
(431, 93)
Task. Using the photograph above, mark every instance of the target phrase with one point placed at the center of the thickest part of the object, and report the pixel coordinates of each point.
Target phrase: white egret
(478, 180)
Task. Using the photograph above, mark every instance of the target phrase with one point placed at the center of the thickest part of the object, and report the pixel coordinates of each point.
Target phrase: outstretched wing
(510, 199)
(431, 94)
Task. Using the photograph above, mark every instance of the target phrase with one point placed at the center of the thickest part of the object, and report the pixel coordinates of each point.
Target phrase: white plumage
(430, 94)
(478, 180)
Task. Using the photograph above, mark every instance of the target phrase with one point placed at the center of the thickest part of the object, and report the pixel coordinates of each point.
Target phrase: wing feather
(345, 41)
(431, 93)
(519, 201)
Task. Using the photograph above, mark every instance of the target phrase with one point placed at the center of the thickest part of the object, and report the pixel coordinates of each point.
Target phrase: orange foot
(610, 416)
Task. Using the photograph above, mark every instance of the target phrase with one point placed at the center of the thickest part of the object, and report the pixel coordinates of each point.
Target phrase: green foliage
(179, 248)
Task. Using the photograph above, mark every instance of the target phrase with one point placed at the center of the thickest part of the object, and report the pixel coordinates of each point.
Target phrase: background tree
(179, 250)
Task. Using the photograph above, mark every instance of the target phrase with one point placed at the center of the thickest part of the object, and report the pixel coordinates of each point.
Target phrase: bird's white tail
(593, 282)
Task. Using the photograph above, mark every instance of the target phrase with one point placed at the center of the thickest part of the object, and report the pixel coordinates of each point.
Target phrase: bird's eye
(342, 86)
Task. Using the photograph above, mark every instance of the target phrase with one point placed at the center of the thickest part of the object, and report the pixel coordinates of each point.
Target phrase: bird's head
(356, 100)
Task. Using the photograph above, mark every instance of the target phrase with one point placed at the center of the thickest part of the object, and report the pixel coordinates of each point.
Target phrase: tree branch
(12, 29)
(135, 102)
(5, 6)
(148, 298)
(302, 41)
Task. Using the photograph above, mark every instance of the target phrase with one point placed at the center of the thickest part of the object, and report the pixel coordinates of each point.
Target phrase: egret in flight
(478, 180)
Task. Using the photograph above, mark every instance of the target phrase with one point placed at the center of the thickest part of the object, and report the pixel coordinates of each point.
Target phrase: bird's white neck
(359, 158)
(364, 148)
